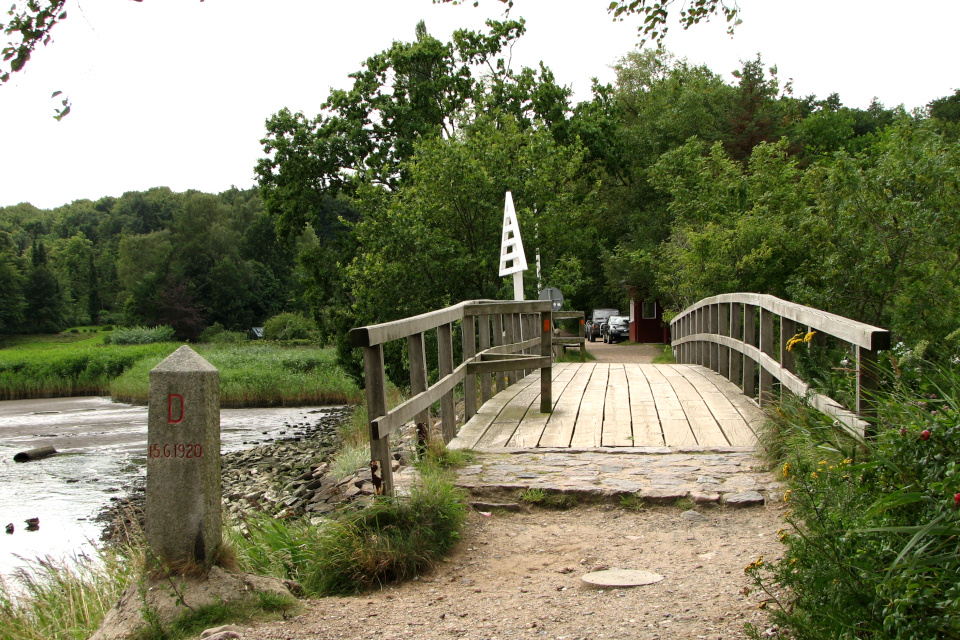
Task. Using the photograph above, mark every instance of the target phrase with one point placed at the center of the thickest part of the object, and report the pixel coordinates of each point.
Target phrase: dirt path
(518, 575)
(628, 353)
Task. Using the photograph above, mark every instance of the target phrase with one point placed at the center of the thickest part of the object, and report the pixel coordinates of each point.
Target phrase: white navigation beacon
(512, 258)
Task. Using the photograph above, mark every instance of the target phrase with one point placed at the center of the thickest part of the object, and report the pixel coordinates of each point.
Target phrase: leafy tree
(732, 226)
(438, 241)
(13, 304)
(44, 311)
(884, 237)
(946, 108)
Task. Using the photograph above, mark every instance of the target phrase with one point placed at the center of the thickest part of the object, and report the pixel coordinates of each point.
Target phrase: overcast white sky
(175, 92)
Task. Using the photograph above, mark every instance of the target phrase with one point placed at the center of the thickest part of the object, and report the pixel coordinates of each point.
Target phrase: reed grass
(251, 375)
(45, 370)
(66, 599)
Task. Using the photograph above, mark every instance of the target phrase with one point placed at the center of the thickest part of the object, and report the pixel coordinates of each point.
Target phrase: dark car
(617, 329)
(592, 329)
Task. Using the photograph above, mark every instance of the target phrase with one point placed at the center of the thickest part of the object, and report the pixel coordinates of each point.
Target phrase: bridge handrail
(720, 333)
(508, 334)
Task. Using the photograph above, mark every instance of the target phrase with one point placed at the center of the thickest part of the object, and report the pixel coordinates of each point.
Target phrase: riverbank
(295, 475)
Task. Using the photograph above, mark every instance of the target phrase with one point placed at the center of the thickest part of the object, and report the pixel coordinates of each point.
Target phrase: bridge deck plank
(470, 434)
(738, 416)
(589, 425)
(643, 409)
(617, 428)
(707, 431)
(673, 420)
(530, 429)
(617, 405)
(559, 428)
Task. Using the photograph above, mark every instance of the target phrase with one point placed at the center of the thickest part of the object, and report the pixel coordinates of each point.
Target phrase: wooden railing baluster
(750, 338)
(376, 393)
(470, 381)
(736, 332)
(486, 391)
(417, 353)
(448, 409)
(498, 341)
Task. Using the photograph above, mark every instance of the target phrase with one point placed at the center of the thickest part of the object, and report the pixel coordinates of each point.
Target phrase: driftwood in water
(35, 454)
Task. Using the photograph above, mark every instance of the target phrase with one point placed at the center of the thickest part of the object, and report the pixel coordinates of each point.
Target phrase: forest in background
(389, 202)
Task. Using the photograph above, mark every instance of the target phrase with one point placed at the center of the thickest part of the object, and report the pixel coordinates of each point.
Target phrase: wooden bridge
(726, 371)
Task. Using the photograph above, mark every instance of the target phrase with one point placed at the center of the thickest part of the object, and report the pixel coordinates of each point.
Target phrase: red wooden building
(646, 321)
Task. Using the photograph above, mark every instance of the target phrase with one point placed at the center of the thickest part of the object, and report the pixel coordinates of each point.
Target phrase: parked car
(592, 328)
(616, 329)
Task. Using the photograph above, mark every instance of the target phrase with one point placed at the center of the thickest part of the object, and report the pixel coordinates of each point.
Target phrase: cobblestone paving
(660, 475)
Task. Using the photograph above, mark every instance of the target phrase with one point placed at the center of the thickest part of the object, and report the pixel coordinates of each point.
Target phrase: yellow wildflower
(814, 475)
(786, 495)
(809, 336)
(786, 469)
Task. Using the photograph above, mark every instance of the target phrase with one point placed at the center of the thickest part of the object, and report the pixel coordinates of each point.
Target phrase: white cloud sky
(175, 92)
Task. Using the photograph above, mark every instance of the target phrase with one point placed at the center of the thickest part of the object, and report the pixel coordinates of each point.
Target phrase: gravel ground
(519, 575)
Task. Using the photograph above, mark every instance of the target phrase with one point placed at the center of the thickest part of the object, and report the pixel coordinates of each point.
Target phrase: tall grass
(257, 375)
(66, 599)
(52, 370)
(393, 539)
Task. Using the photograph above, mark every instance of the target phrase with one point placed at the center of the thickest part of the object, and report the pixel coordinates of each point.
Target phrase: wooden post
(723, 329)
(470, 380)
(714, 311)
(517, 337)
(418, 375)
(497, 341)
(749, 337)
(381, 458)
(583, 341)
(698, 328)
(448, 408)
(485, 383)
(867, 384)
(788, 328)
(546, 373)
(766, 346)
(736, 331)
(509, 338)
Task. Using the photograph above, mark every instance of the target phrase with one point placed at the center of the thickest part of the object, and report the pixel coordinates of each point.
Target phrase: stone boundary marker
(183, 520)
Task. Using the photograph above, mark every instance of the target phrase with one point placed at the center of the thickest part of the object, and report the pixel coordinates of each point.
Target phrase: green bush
(288, 326)
(873, 549)
(217, 334)
(393, 539)
(141, 335)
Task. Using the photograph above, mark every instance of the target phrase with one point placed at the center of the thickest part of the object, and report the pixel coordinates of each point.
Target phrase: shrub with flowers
(873, 542)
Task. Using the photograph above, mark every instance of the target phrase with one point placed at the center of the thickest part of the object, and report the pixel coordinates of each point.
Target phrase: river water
(102, 452)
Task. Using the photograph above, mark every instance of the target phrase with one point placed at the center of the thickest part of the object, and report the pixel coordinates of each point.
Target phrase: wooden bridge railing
(514, 338)
(721, 333)
(579, 341)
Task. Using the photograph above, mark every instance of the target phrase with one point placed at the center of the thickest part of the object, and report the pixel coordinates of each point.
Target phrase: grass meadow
(251, 374)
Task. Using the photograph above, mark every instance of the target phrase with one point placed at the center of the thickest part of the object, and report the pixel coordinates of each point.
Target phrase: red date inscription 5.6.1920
(175, 451)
